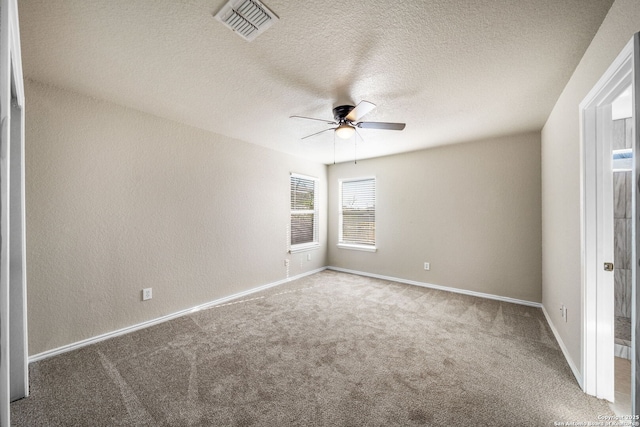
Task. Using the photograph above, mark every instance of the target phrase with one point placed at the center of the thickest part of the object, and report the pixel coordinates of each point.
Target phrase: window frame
(356, 246)
(299, 247)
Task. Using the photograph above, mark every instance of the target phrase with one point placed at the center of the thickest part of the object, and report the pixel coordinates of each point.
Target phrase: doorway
(602, 221)
(622, 161)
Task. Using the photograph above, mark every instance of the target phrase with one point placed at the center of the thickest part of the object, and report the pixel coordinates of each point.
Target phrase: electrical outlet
(427, 266)
(308, 257)
(286, 263)
(146, 294)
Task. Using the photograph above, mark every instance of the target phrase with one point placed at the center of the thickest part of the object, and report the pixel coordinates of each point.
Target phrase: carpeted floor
(331, 349)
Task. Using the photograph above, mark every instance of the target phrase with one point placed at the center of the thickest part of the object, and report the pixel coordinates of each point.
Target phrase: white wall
(472, 210)
(561, 160)
(118, 201)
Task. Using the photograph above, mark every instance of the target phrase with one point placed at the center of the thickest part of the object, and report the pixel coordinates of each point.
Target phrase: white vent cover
(247, 18)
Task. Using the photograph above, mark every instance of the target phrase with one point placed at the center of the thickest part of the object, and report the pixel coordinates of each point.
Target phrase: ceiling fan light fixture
(347, 119)
(345, 131)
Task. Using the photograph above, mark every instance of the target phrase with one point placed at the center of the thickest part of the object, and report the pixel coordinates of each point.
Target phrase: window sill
(365, 248)
(304, 247)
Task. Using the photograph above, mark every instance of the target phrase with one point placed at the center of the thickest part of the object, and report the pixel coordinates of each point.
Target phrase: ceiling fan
(346, 120)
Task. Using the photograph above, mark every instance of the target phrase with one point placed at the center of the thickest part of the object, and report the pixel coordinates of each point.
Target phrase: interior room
(339, 215)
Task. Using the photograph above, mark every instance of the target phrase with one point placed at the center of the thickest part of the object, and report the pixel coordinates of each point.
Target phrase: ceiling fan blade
(381, 125)
(317, 133)
(360, 110)
(329, 122)
(359, 135)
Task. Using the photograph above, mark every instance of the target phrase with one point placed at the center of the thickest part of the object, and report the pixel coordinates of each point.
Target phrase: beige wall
(472, 210)
(118, 201)
(561, 263)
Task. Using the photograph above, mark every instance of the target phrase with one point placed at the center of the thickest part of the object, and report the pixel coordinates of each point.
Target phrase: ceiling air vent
(247, 18)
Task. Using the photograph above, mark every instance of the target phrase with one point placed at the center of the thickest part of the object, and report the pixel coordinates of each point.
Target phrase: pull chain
(334, 147)
(355, 148)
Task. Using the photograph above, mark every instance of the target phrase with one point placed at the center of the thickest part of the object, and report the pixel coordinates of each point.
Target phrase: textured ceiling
(452, 70)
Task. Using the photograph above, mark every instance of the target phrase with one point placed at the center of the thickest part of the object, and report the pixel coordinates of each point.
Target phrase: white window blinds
(304, 210)
(358, 212)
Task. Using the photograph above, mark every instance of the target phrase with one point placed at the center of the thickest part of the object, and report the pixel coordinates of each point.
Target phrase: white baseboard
(622, 351)
(574, 368)
(128, 329)
(439, 287)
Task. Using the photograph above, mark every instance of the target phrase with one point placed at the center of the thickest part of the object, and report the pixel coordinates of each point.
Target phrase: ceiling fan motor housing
(341, 111)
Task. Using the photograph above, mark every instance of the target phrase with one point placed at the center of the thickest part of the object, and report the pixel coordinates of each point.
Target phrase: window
(357, 227)
(304, 212)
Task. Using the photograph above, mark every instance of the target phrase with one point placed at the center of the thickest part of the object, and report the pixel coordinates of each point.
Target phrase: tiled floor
(622, 404)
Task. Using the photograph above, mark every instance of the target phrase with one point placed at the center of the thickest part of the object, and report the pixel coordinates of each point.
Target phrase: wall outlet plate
(427, 266)
(146, 294)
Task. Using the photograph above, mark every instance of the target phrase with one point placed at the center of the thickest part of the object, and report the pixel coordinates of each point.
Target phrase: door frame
(597, 228)
(14, 379)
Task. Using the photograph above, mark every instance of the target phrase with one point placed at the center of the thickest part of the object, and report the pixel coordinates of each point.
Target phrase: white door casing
(635, 305)
(13, 314)
(597, 225)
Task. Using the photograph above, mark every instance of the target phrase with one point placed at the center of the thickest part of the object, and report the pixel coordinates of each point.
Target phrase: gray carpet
(330, 349)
